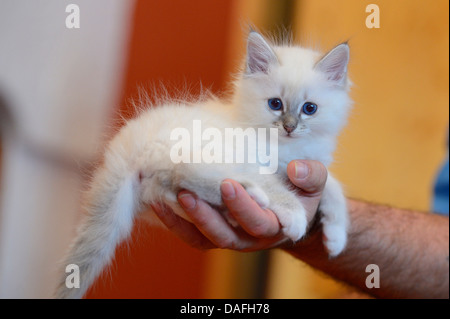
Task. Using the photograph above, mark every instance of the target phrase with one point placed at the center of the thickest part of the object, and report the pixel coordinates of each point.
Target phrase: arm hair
(410, 248)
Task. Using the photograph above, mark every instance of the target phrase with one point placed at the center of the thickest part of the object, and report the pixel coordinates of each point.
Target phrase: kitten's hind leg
(334, 220)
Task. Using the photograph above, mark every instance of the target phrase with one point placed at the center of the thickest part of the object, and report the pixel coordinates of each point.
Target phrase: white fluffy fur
(142, 148)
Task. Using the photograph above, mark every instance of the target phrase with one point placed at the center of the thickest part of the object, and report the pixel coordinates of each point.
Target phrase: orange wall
(176, 42)
(395, 139)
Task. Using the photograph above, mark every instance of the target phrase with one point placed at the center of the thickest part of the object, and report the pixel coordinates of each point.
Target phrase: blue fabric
(441, 189)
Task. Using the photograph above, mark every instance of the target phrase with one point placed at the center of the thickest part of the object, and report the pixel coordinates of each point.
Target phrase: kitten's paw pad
(334, 239)
(295, 229)
(258, 196)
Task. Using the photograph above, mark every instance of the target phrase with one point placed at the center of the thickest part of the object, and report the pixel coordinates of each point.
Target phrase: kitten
(296, 92)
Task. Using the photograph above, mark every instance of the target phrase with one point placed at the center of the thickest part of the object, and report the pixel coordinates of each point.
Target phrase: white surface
(61, 85)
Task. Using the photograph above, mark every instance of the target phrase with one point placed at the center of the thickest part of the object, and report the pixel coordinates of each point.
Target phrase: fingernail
(187, 201)
(227, 190)
(301, 170)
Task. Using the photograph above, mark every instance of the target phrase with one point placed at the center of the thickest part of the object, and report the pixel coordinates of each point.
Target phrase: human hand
(258, 228)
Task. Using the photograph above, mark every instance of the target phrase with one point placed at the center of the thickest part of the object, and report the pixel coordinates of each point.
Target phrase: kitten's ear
(260, 55)
(334, 64)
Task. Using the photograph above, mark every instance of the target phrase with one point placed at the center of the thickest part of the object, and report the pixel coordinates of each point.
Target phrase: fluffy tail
(111, 206)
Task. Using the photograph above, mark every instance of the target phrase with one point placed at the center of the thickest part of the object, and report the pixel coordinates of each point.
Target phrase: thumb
(309, 176)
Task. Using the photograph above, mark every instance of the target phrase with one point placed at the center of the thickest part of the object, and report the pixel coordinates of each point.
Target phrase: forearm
(410, 248)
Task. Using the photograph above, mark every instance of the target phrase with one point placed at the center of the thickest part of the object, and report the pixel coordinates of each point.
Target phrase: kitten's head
(298, 91)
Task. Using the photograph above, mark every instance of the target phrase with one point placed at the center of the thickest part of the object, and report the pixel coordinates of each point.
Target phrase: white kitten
(296, 91)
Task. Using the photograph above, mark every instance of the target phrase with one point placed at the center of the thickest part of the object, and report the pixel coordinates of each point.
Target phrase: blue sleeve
(441, 189)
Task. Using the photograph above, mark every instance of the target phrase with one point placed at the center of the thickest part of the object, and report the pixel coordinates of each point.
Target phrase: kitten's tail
(112, 203)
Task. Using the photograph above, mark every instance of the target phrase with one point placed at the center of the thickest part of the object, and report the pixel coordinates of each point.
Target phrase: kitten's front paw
(258, 196)
(334, 239)
(294, 225)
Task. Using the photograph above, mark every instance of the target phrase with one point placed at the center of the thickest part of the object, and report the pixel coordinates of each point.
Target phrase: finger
(211, 223)
(309, 176)
(253, 219)
(185, 230)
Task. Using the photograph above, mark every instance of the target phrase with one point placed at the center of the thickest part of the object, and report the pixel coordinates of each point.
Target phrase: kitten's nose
(289, 128)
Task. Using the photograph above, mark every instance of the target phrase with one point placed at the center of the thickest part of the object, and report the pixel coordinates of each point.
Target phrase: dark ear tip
(254, 36)
(253, 33)
(345, 44)
(252, 30)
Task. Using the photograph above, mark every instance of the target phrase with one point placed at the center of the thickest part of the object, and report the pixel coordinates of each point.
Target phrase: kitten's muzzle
(289, 123)
(289, 128)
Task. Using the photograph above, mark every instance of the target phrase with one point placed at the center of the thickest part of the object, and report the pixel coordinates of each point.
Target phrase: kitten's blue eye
(275, 104)
(309, 108)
